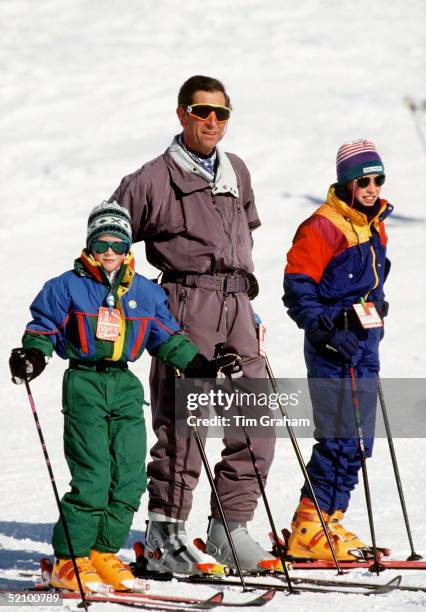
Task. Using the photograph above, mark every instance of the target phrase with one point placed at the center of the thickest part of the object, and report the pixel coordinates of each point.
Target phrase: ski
(388, 564)
(141, 597)
(258, 600)
(142, 601)
(300, 580)
(163, 602)
(352, 583)
(139, 569)
(336, 587)
(367, 562)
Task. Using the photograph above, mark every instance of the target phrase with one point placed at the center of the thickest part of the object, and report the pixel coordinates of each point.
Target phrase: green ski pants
(105, 448)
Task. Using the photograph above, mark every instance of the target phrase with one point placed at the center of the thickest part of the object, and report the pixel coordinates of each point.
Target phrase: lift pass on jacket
(108, 324)
(368, 315)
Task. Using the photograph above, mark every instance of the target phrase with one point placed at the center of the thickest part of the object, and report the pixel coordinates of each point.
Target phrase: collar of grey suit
(225, 180)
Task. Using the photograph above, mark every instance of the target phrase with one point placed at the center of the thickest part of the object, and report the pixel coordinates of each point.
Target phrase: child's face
(365, 195)
(109, 260)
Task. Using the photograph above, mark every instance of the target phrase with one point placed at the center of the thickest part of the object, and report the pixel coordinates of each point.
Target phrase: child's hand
(26, 364)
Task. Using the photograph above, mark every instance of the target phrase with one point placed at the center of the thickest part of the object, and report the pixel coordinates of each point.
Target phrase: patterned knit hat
(357, 158)
(109, 218)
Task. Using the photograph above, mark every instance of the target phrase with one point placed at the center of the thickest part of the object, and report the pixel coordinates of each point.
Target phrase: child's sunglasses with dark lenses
(102, 246)
(364, 181)
(203, 111)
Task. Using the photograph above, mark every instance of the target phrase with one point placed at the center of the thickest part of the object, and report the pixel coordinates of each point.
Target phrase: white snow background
(89, 94)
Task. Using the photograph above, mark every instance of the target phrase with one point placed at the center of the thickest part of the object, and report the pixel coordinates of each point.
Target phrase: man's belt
(224, 283)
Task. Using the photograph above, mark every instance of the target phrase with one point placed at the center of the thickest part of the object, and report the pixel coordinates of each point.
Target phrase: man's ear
(180, 112)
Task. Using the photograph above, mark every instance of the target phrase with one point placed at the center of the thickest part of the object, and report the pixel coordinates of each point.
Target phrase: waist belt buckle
(223, 284)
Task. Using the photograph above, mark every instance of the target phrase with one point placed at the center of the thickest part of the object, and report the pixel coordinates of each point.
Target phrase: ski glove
(228, 364)
(323, 333)
(343, 342)
(26, 364)
(382, 308)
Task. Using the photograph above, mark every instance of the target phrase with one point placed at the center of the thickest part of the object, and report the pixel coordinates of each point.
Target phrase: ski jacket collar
(85, 265)
(354, 216)
(225, 180)
(206, 162)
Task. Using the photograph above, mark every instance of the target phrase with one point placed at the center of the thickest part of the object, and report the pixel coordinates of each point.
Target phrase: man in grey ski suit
(193, 206)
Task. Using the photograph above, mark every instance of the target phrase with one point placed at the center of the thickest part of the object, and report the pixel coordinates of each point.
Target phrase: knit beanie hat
(356, 159)
(109, 218)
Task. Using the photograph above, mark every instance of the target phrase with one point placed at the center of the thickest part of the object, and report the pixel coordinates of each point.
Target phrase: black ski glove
(323, 333)
(382, 308)
(26, 364)
(343, 342)
(201, 367)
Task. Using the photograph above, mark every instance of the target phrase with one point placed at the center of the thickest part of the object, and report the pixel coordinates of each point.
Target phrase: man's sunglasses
(203, 112)
(102, 246)
(364, 181)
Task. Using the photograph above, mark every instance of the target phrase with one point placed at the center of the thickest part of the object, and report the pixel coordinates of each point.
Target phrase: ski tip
(387, 587)
(267, 595)
(211, 602)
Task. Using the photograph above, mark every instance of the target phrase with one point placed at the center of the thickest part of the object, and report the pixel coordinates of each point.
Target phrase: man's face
(202, 136)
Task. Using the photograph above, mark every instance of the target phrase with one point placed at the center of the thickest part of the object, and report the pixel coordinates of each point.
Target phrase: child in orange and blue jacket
(335, 269)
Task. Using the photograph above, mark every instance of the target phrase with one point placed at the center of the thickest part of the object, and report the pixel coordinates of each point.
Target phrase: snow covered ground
(88, 94)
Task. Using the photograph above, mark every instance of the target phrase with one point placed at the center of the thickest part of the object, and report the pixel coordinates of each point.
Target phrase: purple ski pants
(176, 463)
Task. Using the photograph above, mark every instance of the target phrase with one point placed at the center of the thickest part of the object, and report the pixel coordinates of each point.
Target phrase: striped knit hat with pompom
(109, 218)
(357, 158)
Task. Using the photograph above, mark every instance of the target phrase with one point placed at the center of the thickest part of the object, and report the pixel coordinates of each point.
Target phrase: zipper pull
(110, 301)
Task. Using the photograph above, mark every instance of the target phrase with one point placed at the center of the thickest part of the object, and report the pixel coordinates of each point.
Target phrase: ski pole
(220, 351)
(84, 603)
(301, 462)
(217, 499)
(414, 556)
(376, 566)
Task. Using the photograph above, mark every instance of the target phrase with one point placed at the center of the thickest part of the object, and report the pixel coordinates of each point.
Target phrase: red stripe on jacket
(82, 332)
(317, 240)
(139, 337)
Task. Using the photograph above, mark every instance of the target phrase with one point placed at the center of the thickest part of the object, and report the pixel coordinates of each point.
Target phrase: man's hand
(26, 364)
(228, 364)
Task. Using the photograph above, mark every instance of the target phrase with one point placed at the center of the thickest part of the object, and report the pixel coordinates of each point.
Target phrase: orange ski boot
(337, 527)
(63, 576)
(113, 571)
(308, 540)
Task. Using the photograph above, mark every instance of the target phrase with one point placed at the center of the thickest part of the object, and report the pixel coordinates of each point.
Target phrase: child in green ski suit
(100, 315)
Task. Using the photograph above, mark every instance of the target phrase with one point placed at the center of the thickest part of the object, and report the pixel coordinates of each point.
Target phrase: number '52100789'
(30, 599)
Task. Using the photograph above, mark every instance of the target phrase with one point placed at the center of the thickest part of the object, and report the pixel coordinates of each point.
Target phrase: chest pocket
(171, 219)
(350, 274)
